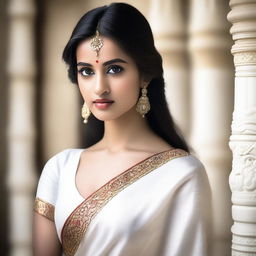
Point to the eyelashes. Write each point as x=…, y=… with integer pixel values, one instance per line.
x=115, y=69
x=85, y=71
x=112, y=70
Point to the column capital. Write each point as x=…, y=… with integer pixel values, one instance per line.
x=243, y=30
x=21, y=8
x=168, y=25
x=209, y=42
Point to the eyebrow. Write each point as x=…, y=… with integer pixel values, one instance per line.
x=104, y=64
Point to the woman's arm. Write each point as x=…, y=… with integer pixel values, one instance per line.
x=45, y=239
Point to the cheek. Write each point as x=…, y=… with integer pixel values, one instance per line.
x=82, y=89
x=129, y=89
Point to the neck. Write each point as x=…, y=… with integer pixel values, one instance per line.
x=125, y=132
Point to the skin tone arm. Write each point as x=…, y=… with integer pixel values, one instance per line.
x=45, y=239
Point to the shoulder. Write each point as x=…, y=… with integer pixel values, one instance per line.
x=49, y=179
x=188, y=172
x=190, y=162
x=192, y=171
x=185, y=164
x=58, y=162
x=61, y=158
x=187, y=159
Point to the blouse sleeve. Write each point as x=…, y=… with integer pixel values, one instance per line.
x=47, y=189
x=190, y=223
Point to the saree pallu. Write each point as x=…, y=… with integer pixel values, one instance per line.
x=159, y=207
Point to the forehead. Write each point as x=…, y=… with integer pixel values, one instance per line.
x=109, y=50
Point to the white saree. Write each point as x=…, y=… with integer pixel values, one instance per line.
x=159, y=207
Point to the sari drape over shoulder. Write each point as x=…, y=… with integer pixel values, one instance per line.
x=159, y=207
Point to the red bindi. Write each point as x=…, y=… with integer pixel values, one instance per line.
x=97, y=61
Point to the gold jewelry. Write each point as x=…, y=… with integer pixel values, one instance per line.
x=97, y=43
x=85, y=113
x=143, y=105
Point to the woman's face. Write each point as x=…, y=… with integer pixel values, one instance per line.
x=109, y=83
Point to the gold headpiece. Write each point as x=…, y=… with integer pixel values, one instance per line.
x=97, y=43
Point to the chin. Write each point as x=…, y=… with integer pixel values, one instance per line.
x=114, y=114
x=110, y=116
x=106, y=117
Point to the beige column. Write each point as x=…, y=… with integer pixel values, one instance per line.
x=169, y=28
x=21, y=125
x=212, y=105
x=243, y=139
x=60, y=115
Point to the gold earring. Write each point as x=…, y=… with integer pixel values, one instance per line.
x=85, y=113
x=143, y=105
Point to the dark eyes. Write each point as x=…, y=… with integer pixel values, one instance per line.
x=86, y=71
x=115, y=69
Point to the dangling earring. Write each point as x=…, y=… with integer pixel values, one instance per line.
x=143, y=105
x=85, y=113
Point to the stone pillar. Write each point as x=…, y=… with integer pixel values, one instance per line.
x=212, y=105
x=169, y=27
x=243, y=139
x=21, y=124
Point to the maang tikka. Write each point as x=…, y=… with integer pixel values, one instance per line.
x=143, y=105
x=97, y=43
x=85, y=113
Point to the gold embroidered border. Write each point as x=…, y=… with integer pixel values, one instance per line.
x=79, y=220
x=44, y=208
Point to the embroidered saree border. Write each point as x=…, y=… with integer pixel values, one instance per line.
x=44, y=208
x=77, y=223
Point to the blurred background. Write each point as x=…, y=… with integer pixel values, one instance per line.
x=40, y=108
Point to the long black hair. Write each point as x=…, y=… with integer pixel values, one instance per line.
x=131, y=31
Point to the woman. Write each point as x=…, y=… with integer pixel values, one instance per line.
x=134, y=189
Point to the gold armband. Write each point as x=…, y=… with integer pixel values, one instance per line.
x=44, y=208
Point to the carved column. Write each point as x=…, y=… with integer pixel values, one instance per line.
x=212, y=105
x=243, y=139
x=169, y=27
x=21, y=125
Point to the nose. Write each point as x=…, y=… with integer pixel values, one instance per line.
x=101, y=85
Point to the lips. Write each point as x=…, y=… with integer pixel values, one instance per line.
x=103, y=103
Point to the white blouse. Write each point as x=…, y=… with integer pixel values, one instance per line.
x=159, y=207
